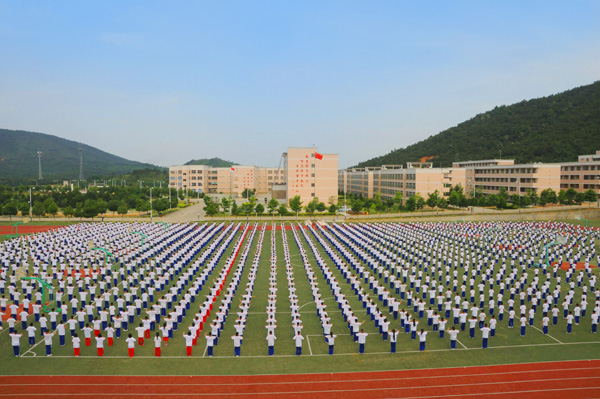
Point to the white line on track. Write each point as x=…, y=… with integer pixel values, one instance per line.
x=319, y=381
x=330, y=372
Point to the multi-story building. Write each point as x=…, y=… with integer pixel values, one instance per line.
x=387, y=180
x=302, y=175
x=487, y=176
x=310, y=177
x=233, y=181
x=582, y=175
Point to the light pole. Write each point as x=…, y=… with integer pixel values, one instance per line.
x=169, y=198
x=30, y=206
x=151, y=210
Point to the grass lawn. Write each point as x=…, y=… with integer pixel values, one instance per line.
x=506, y=347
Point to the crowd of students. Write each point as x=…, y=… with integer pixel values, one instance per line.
x=433, y=277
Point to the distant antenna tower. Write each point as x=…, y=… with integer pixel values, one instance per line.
x=80, y=163
x=39, y=153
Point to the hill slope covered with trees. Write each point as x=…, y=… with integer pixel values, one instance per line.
x=214, y=162
x=556, y=128
x=60, y=158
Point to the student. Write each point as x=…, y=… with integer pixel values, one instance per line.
x=130, y=345
x=570, y=319
x=330, y=341
x=87, y=335
x=472, y=323
x=453, y=333
x=164, y=330
x=485, y=331
x=189, y=341
x=237, y=344
x=393, y=338
x=210, y=341
x=298, y=339
x=48, y=342
x=523, y=321
x=76, y=344
x=31, y=334
x=157, y=342
x=16, y=342
x=422, y=338
x=362, y=339
x=545, y=322
x=493, y=323
x=110, y=331
x=140, y=333
x=100, y=344
x=271, y=343
x=60, y=328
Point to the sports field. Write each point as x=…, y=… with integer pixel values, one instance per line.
x=328, y=256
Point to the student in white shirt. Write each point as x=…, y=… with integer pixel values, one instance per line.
x=362, y=339
x=237, y=344
x=453, y=333
x=271, y=343
x=189, y=341
x=157, y=343
x=130, y=345
x=393, y=339
x=422, y=338
x=76, y=344
x=100, y=344
x=210, y=341
x=485, y=333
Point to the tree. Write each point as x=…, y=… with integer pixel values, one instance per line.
x=52, y=209
x=122, y=210
x=571, y=194
x=419, y=201
x=332, y=208
x=101, y=206
x=259, y=209
x=548, y=196
x=113, y=205
x=24, y=208
x=10, y=210
x=411, y=203
x=533, y=197
x=225, y=204
x=38, y=209
x=580, y=198
x=433, y=199
x=247, y=208
x=357, y=205
x=68, y=211
x=211, y=209
x=282, y=210
x=272, y=205
x=321, y=207
x=234, y=208
x=90, y=209
x=398, y=199
x=247, y=193
x=590, y=195
x=562, y=197
x=296, y=204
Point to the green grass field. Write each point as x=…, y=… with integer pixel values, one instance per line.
x=507, y=347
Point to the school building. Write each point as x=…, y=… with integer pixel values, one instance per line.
x=488, y=176
x=301, y=174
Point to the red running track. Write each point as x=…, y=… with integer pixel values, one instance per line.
x=26, y=229
x=572, y=379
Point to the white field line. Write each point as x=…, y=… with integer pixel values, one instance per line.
x=547, y=335
x=322, y=354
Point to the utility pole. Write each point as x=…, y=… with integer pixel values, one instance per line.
x=39, y=154
x=151, y=210
x=169, y=198
x=80, y=163
x=30, y=206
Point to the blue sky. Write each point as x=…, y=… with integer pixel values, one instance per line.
x=165, y=82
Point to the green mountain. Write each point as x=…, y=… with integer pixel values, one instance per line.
x=60, y=158
x=556, y=128
x=214, y=162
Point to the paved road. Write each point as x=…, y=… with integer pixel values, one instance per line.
x=190, y=214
